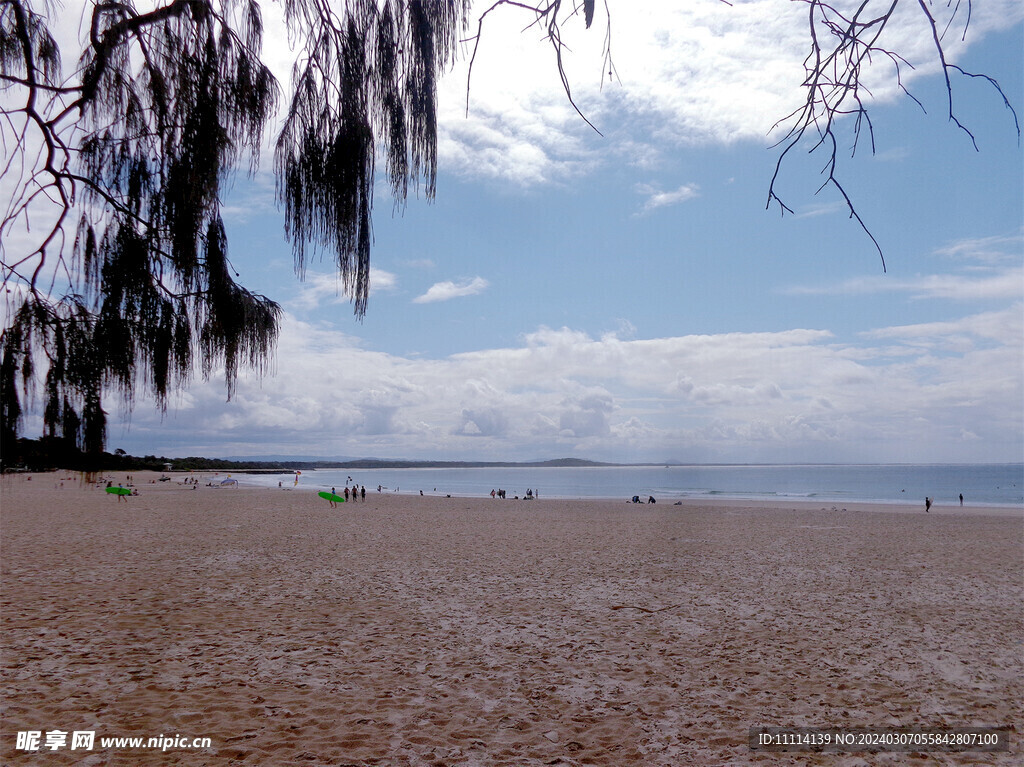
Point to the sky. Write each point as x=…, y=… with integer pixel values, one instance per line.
x=627, y=296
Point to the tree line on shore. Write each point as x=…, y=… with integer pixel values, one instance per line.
x=50, y=452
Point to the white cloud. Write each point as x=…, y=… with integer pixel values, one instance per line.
x=902, y=393
x=1004, y=284
x=822, y=209
x=320, y=288
x=659, y=199
x=978, y=284
x=1005, y=327
x=999, y=249
x=688, y=73
x=445, y=291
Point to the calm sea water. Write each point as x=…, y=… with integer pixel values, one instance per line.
x=981, y=484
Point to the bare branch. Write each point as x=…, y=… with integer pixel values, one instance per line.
x=834, y=88
x=548, y=12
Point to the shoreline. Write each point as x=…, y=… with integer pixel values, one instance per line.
x=717, y=501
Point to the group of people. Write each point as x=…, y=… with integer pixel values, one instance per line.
x=356, y=491
x=650, y=499
x=530, y=494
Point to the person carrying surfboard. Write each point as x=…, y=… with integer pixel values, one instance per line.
x=332, y=498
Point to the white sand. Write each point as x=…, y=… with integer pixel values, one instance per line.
x=437, y=631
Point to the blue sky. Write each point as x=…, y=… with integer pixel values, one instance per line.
x=629, y=298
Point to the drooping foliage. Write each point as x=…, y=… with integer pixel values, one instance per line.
x=366, y=85
x=130, y=284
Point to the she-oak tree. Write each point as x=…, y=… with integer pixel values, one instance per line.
x=112, y=249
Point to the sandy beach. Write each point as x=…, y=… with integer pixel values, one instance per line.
x=437, y=631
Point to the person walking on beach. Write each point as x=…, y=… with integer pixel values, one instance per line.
x=961, y=499
x=927, y=504
x=362, y=493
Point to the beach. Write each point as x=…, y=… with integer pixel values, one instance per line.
x=408, y=630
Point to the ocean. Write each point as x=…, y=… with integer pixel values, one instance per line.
x=981, y=484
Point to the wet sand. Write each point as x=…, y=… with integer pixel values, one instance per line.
x=413, y=630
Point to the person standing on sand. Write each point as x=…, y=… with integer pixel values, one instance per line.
x=961, y=499
x=927, y=504
x=362, y=493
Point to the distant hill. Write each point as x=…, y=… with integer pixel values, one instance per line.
x=286, y=463
x=291, y=463
x=286, y=459
x=381, y=463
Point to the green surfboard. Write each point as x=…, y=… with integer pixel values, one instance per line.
x=331, y=496
x=120, y=490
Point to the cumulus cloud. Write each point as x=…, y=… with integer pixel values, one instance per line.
x=686, y=73
x=486, y=422
x=445, y=291
x=799, y=394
